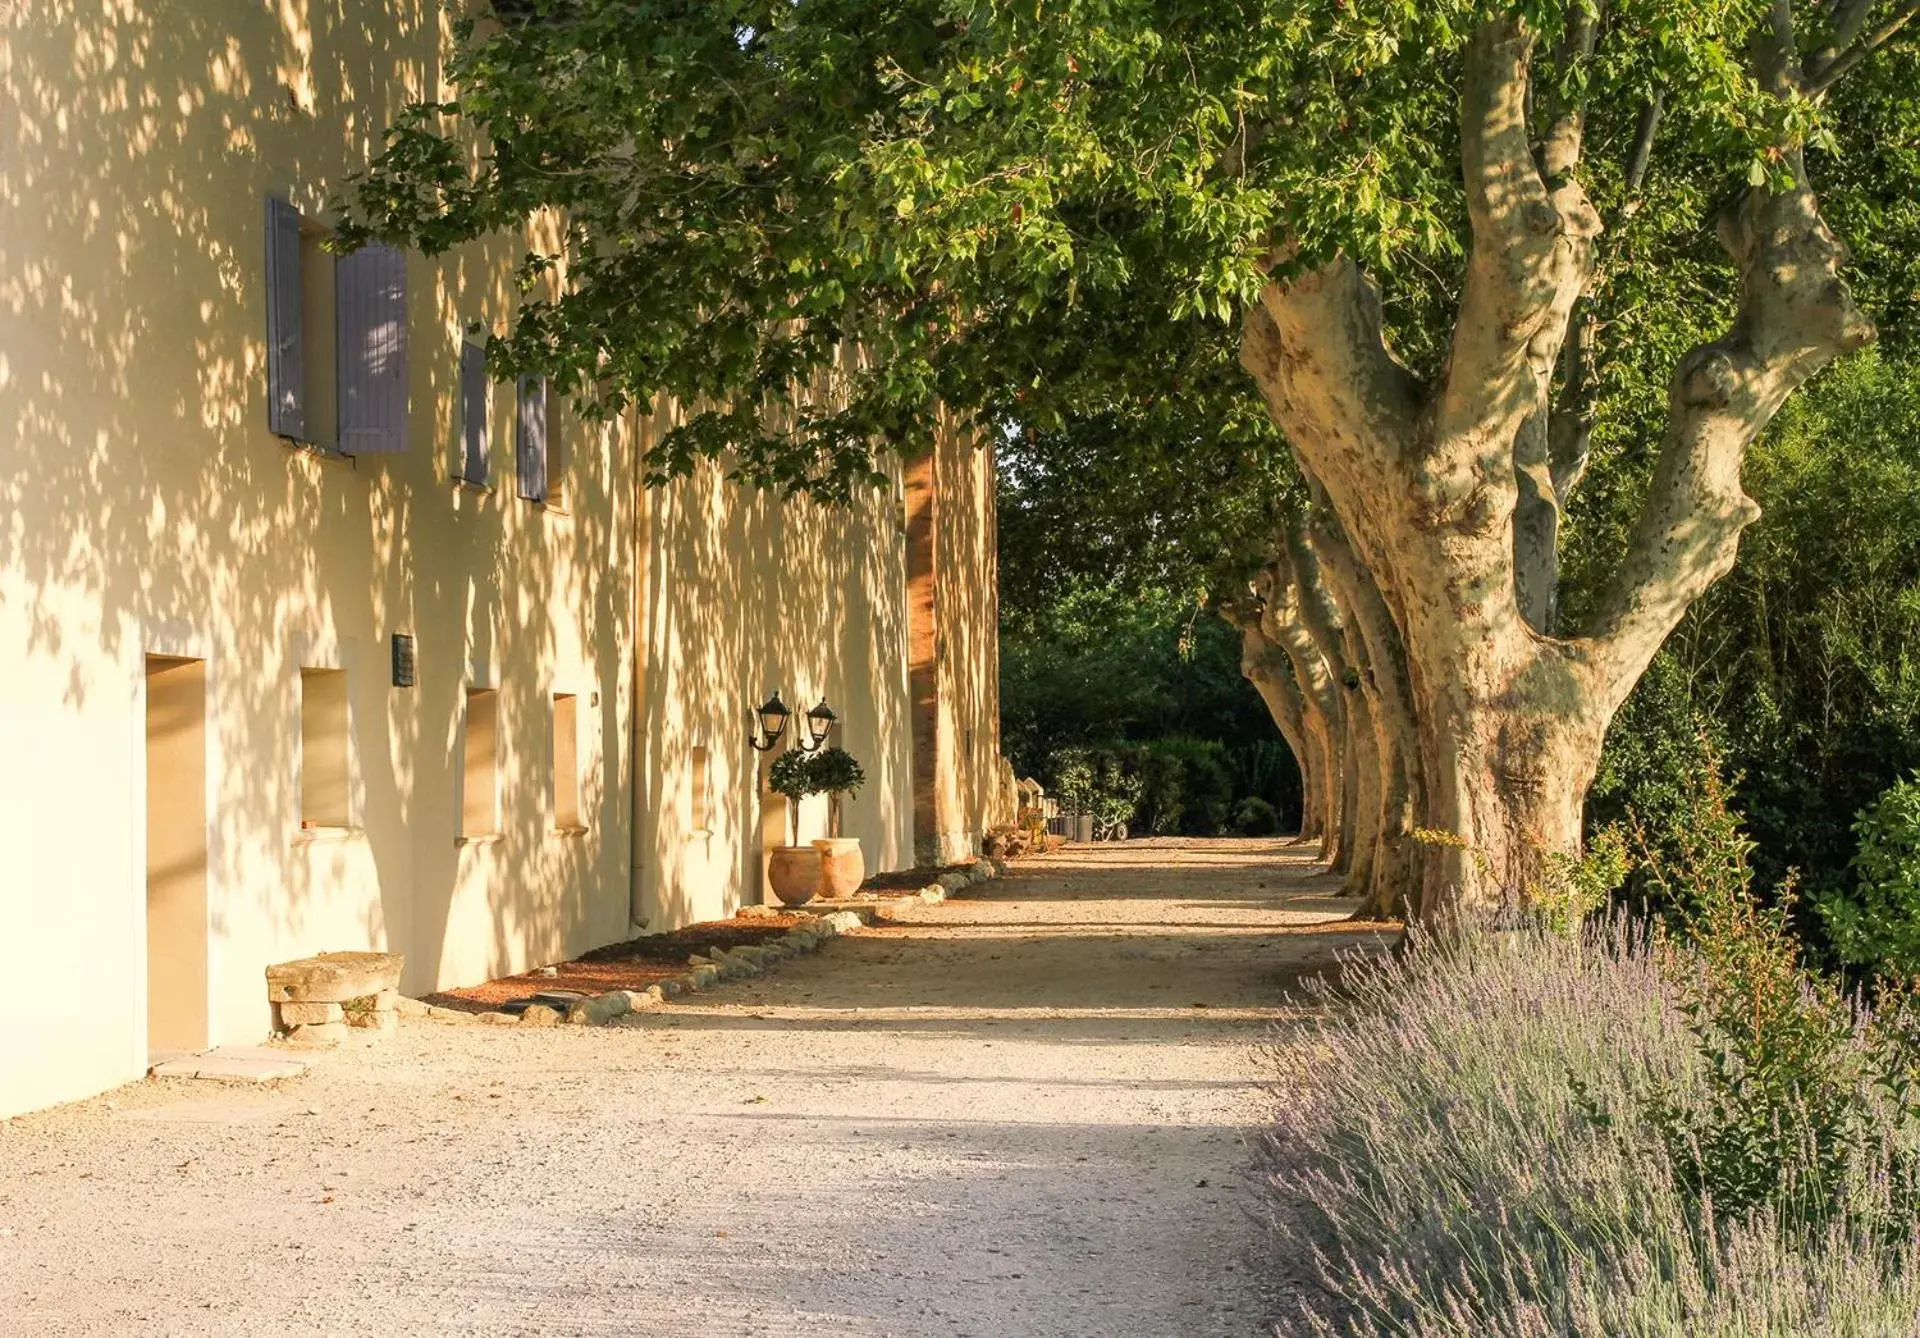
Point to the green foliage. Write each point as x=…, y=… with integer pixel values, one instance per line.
x=968, y=190
x=1879, y=923
x=1802, y=668
x=1186, y=786
x=1254, y=816
x=1572, y=887
x=835, y=771
x=1095, y=781
x=791, y=775
x=1798, y=1091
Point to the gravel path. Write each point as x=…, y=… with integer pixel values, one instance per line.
x=1019, y=1113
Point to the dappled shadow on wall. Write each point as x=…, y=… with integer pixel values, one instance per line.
x=143, y=492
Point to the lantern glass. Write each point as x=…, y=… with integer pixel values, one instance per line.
x=773, y=717
x=820, y=722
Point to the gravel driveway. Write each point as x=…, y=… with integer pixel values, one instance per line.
x=1019, y=1113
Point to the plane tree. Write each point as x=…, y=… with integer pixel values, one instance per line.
x=1442, y=234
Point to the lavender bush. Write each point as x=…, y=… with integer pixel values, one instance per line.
x=1466, y=1145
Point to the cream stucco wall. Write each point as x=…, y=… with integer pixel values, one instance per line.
x=749, y=595
x=966, y=573
x=147, y=511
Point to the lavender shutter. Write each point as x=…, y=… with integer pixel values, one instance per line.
x=473, y=413
x=531, y=439
x=371, y=318
x=286, y=360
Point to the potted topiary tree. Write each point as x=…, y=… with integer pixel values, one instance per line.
x=836, y=772
x=793, y=871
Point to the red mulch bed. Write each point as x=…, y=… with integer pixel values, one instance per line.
x=632, y=965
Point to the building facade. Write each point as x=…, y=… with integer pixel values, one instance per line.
x=312, y=638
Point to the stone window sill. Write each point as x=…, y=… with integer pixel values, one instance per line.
x=313, y=836
x=478, y=839
x=318, y=452
x=568, y=832
x=465, y=484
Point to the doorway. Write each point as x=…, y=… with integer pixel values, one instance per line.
x=176, y=854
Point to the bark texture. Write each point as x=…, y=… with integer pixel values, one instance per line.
x=1444, y=501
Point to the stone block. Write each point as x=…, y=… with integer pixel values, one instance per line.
x=955, y=882
x=307, y=1014
x=318, y=1035
x=982, y=870
x=539, y=1015
x=604, y=1008
x=378, y=1019
x=410, y=1007
x=842, y=922
x=497, y=1019
x=439, y=1014
x=934, y=895
x=671, y=988
x=334, y=977
x=703, y=977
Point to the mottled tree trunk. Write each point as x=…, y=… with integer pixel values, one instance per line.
x=1383, y=674
x=1442, y=490
x=1264, y=665
x=1283, y=620
x=1320, y=613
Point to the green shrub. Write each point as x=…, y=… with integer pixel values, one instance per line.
x=791, y=775
x=1461, y=1150
x=1096, y=781
x=1799, y=1087
x=835, y=771
x=1879, y=924
x=1186, y=786
x=1254, y=816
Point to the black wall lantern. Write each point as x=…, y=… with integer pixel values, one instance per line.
x=772, y=724
x=820, y=723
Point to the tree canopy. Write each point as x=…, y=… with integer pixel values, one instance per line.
x=1464, y=250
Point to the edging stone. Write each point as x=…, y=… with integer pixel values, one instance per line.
x=704, y=972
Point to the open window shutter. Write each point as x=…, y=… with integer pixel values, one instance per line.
x=286, y=361
x=473, y=413
x=371, y=289
x=531, y=443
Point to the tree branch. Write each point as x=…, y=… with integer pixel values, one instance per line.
x=1834, y=70
x=1795, y=316
x=1264, y=664
x=1315, y=348
x=1560, y=147
x=1532, y=252
x=1643, y=135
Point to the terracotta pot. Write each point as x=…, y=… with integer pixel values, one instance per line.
x=793, y=872
x=842, y=867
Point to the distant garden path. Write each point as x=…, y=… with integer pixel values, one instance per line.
x=1018, y=1113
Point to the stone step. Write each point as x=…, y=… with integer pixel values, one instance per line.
x=231, y=1063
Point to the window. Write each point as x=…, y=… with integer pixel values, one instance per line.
x=480, y=771
x=323, y=749
x=566, y=762
x=336, y=339
x=539, y=450
x=475, y=392
x=702, y=808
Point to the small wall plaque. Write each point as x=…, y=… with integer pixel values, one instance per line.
x=403, y=662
